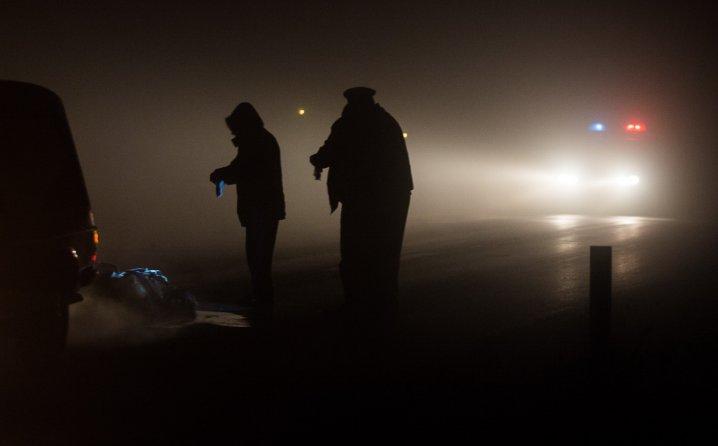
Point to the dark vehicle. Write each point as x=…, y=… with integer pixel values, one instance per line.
x=48, y=239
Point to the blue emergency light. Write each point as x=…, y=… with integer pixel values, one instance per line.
x=597, y=127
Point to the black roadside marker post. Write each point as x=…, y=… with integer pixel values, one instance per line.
x=600, y=307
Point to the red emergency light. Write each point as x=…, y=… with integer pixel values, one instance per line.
x=635, y=127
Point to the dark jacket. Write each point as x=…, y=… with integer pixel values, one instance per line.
x=257, y=172
x=366, y=156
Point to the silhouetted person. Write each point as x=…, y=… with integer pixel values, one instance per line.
x=257, y=172
x=369, y=174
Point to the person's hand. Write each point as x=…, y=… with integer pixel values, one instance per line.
x=215, y=176
x=317, y=173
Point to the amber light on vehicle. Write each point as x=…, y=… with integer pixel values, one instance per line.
x=96, y=237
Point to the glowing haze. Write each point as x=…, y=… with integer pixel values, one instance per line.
x=496, y=100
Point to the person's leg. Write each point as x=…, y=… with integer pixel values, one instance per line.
x=250, y=244
x=350, y=243
x=267, y=236
x=398, y=226
x=388, y=241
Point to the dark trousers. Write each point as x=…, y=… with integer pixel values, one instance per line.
x=261, y=236
x=372, y=234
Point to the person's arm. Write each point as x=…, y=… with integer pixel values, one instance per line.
x=229, y=174
x=323, y=158
x=326, y=154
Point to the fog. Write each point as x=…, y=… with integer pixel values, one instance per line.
x=495, y=99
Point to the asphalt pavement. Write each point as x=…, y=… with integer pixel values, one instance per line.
x=492, y=330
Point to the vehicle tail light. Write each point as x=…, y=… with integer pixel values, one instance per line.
x=635, y=127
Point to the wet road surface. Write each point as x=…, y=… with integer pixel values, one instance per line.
x=492, y=328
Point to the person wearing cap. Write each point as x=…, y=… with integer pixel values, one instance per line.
x=257, y=173
x=370, y=175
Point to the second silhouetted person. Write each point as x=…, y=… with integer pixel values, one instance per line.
x=370, y=175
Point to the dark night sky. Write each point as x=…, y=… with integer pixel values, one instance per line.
x=146, y=88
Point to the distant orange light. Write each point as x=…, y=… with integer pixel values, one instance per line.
x=95, y=237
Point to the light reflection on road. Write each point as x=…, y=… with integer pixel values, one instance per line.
x=223, y=319
x=576, y=233
x=565, y=221
x=626, y=220
x=567, y=243
x=625, y=262
x=627, y=257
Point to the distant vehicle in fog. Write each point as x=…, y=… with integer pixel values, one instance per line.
x=48, y=238
x=612, y=159
x=603, y=167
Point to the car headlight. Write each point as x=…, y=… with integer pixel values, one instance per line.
x=628, y=180
x=566, y=179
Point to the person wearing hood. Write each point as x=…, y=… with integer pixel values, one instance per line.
x=370, y=175
x=257, y=173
